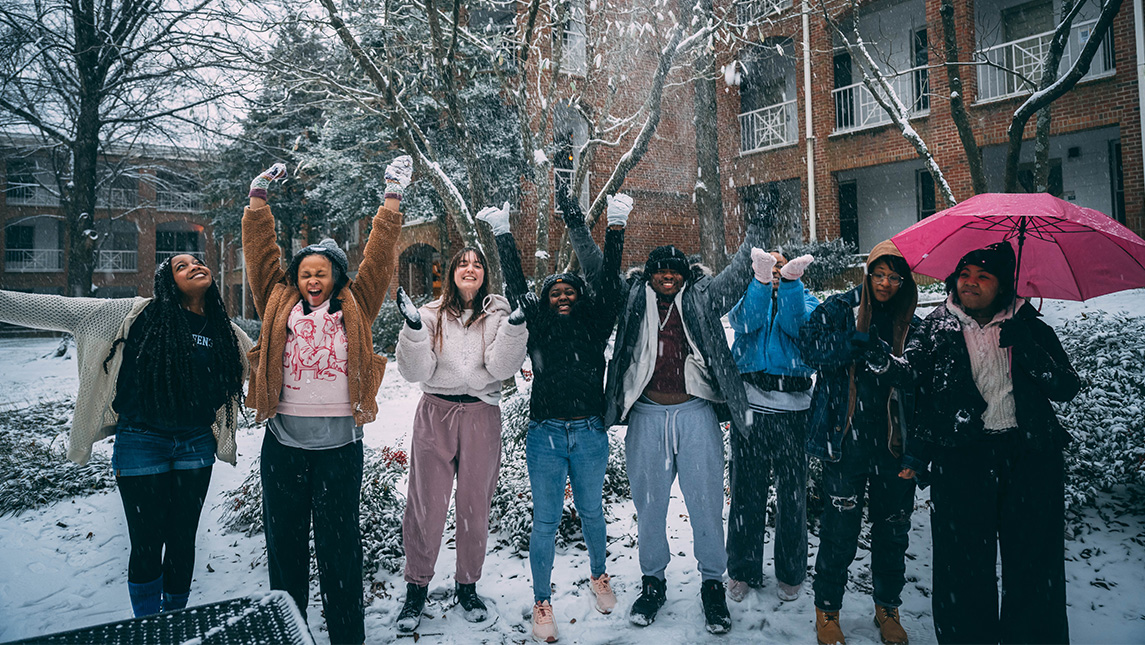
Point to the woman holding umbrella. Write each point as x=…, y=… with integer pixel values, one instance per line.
x=987, y=369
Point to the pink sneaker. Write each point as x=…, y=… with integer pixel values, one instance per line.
x=737, y=590
x=544, y=625
x=602, y=589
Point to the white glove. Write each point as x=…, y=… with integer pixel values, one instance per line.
x=398, y=175
x=496, y=218
x=619, y=206
x=793, y=270
x=761, y=264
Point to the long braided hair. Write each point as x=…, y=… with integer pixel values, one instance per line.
x=164, y=375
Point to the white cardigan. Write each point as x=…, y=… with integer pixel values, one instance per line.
x=471, y=360
x=96, y=323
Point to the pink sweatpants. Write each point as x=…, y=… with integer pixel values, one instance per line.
x=450, y=439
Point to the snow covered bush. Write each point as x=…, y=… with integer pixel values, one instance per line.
x=33, y=459
x=251, y=326
x=832, y=258
x=1107, y=418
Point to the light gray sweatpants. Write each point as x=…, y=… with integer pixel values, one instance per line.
x=664, y=441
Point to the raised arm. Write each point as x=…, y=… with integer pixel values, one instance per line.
x=261, y=254
x=514, y=275
x=57, y=313
x=795, y=302
x=728, y=287
x=587, y=252
x=753, y=310
x=380, y=257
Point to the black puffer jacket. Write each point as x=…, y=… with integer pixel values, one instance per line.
x=949, y=406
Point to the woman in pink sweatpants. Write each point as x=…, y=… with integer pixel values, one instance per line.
x=459, y=347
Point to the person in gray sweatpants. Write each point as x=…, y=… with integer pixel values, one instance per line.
x=672, y=379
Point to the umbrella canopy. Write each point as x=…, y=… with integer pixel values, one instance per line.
x=1064, y=251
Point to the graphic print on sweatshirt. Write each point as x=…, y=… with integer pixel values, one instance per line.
x=316, y=344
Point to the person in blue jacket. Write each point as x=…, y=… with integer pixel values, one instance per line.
x=766, y=322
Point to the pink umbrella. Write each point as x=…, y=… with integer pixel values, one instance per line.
x=1064, y=251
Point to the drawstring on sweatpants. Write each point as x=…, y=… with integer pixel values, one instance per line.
x=451, y=414
x=671, y=434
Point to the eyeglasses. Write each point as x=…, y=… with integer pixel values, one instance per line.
x=892, y=278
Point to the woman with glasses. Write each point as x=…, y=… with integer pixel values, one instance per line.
x=855, y=340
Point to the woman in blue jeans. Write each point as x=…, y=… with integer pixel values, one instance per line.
x=164, y=375
x=567, y=441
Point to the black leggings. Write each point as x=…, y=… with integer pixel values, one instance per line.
x=163, y=511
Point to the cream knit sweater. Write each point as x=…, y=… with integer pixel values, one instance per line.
x=96, y=323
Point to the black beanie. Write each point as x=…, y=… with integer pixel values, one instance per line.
x=996, y=259
x=666, y=257
x=570, y=279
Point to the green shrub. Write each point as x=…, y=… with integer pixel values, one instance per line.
x=832, y=259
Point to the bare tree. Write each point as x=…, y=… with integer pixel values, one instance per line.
x=87, y=76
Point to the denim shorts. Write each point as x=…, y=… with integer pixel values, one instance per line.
x=144, y=451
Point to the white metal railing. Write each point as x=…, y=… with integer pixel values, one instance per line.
x=33, y=260
x=182, y=202
x=748, y=11
x=161, y=255
x=856, y=108
x=30, y=195
x=768, y=127
x=563, y=177
x=116, y=261
x=1010, y=63
x=117, y=198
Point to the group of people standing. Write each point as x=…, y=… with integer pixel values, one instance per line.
x=960, y=400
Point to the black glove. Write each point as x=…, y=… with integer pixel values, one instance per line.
x=408, y=310
x=517, y=316
x=1013, y=332
x=870, y=349
x=570, y=208
x=530, y=304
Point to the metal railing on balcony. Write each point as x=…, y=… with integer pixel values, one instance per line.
x=162, y=254
x=117, y=198
x=116, y=261
x=748, y=11
x=33, y=260
x=30, y=195
x=1015, y=67
x=769, y=127
x=179, y=202
x=856, y=108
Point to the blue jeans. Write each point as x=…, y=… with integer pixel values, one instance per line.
x=139, y=450
x=558, y=451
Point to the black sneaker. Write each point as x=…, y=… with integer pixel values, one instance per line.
x=472, y=608
x=410, y=616
x=651, y=599
x=715, y=606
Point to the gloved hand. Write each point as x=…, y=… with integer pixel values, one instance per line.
x=793, y=270
x=1013, y=332
x=408, y=310
x=517, y=316
x=762, y=263
x=398, y=175
x=259, y=184
x=496, y=218
x=530, y=303
x=619, y=206
x=570, y=208
x=870, y=349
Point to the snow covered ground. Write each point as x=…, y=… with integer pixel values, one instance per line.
x=64, y=566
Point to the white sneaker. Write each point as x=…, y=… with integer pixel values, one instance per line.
x=737, y=590
x=787, y=592
x=544, y=625
x=602, y=589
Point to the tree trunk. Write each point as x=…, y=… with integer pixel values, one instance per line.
x=709, y=200
x=958, y=111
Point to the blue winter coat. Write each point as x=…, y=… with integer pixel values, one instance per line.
x=767, y=330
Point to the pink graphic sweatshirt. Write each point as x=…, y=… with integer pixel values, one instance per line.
x=314, y=381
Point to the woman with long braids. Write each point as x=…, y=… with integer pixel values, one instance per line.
x=165, y=376
x=459, y=347
x=314, y=379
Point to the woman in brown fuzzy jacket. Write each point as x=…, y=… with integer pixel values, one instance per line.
x=314, y=379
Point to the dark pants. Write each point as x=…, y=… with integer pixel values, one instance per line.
x=162, y=518
x=992, y=496
x=773, y=450
x=326, y=484
x=875, y=472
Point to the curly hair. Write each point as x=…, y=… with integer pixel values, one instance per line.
x=451, y=302
x=165, y=377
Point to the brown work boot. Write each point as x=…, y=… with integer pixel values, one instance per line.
x=827, y=629
x=890, y=628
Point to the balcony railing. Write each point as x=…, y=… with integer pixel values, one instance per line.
x=856, y=108
x=180, y=202
x=748, y=11
x=116, y=261
x=33, y=260
x=161, y=255
x=769, y=127
x=117, y=198
x=1016, y=60
x=30, y=195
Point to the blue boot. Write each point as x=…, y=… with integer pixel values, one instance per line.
x=174, y=601
x=145, y=596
